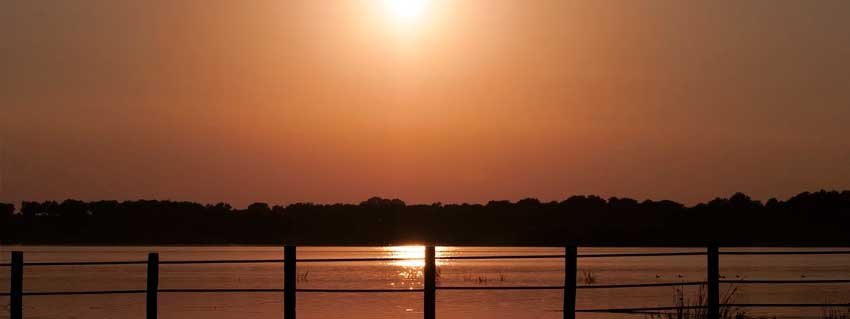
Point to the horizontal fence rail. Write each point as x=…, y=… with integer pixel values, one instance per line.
x=803, y=252
x=570, y=286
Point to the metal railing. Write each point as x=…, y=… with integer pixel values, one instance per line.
x=430, y=287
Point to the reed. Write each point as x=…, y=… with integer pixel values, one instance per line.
x=697, y=308
x=303, y=277
x=587, y=277
x=484, y=278
x=835, y=312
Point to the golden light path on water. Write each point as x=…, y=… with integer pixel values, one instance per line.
x=411, y=269
x=416, y=255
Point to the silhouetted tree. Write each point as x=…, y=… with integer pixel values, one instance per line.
x=528, y=202
x=259, y=209
x=219, y=209
x=816, y=217
x=499, y=204
x=377, y=202
x=31, y=209
x=7, y=210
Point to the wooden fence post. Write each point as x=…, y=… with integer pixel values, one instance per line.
x=153, y=285
x=570, y=274
x=713, y=272
x=16, y=291
x=289, y=278
x=430, y=277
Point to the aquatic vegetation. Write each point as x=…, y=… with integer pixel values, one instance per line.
x=303, y=277
x=588, y=277
x=835, y=312
x=484, y=278
x=697, y=308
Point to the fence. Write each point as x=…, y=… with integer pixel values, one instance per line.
x=290, y=262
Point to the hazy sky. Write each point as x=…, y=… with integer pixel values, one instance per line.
x=337, y=101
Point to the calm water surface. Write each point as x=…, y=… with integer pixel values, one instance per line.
x=403, y=275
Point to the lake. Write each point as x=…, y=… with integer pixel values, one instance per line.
x=406, y=275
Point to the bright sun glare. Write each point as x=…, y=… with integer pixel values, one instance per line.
x=414, y=252
x=414, y=255
x=405, y=11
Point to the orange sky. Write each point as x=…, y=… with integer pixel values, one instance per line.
x=334, y=101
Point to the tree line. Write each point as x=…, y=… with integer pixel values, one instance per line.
x=810, y=218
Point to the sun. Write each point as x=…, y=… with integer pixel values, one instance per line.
x=405, y=11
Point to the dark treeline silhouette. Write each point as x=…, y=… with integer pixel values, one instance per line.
x=820, y=218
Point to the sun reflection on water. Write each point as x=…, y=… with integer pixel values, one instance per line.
x=410, y=268
x=416, y=255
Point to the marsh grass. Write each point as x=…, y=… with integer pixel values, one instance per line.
x=303, y=277
x=697, y=308
x=587, y=277
x=835, y=312
x=484, y=278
